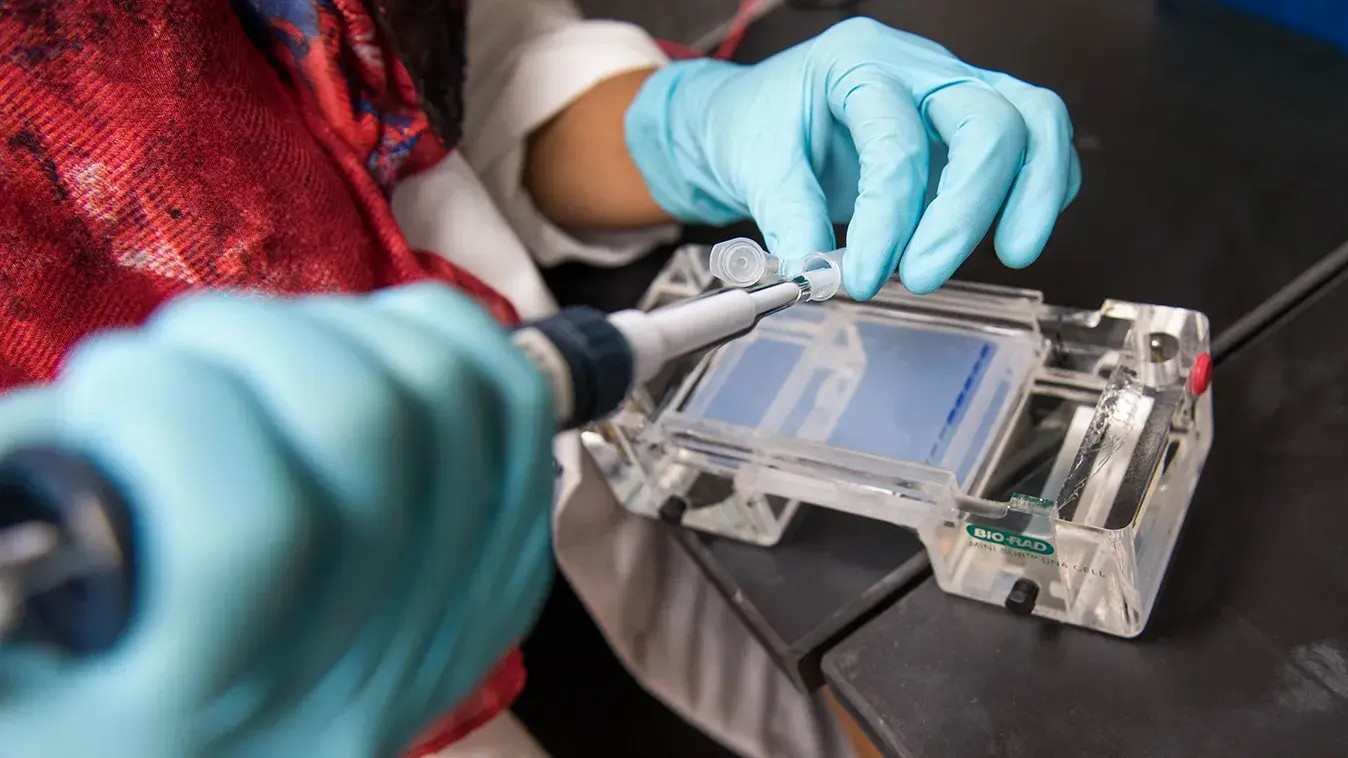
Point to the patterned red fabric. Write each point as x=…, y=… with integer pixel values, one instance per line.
x=338, y=63
x=149, y=148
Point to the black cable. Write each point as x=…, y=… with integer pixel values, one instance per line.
x=1281, y=303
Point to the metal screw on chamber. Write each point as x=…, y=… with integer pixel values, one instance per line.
x=1161, y=363
x=1162, y=347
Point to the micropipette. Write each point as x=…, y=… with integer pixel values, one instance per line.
x=67, y=554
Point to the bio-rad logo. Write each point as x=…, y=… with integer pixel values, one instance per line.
x=1009, y=539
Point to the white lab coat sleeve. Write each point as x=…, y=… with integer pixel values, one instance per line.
x=527, y=61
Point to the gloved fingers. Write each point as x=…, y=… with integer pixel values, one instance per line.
x=531, y=577
x=35, y=687
x=350, y=428
x=528, y=425
x=31, y=415
x=450, y=395
x=460, y=407
x=525, y=491
x=891, y=142
x=435, y=534
x=791, y=210
x=518, y=581
x=1044, y=185
x=986, y=136
x=224, y=563
x=1073, y=179
x=525, y=495
x=860, y=41
x=348, y=422
x=841, y=175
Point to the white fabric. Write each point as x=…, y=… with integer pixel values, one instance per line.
x=502, y=737
x=528, y=59
x=446, y=210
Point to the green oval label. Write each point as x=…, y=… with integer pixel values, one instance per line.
x=1013, y=540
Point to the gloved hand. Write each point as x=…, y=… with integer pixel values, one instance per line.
x=342, y=509
x=838, y=128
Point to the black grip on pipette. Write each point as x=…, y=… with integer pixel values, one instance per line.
x=598, y=360
x=89, y=611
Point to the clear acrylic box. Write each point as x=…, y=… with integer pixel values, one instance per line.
x=1045, y=456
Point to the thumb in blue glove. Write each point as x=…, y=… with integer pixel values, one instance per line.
x=342, y=523
x=840, y=129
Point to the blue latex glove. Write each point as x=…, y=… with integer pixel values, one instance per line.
x=840, y=128
x=343, y=521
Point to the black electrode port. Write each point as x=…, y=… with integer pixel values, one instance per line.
x=672, y=510
x=1020, y=600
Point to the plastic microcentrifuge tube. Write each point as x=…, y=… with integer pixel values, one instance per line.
x=824, y=272
x=741, y=262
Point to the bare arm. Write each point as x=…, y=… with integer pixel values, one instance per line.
x=578, y=170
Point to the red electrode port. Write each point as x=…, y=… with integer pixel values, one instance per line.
x=1200, y=376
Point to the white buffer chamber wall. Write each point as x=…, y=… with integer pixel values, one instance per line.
x=1045, y=456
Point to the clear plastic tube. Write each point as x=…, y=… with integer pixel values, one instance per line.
x=741, y=262
x=824, y=270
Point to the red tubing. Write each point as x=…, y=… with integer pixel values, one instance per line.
x=726, y=50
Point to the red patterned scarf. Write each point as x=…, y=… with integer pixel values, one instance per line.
x=149, y=148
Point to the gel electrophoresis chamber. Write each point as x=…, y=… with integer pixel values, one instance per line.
x=1045, y=456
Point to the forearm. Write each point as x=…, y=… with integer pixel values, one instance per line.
x=578, y=170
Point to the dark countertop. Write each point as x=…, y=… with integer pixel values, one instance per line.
x=1247, y=652
x=1215, y=171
